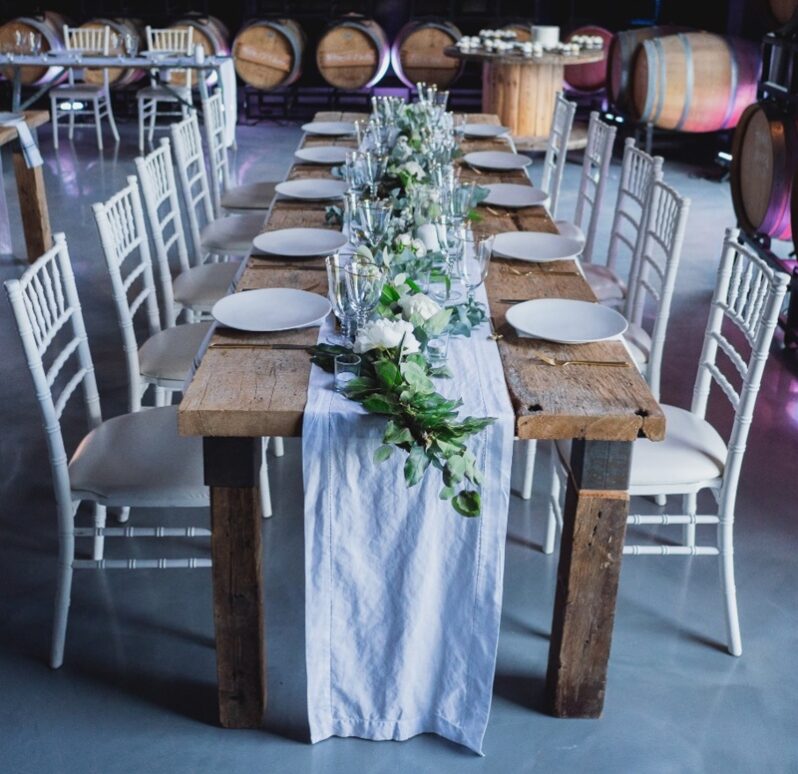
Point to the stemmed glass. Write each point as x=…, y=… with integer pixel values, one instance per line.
x=131, y=45
x=354, y=172
x=339, y=298
x=474, y=260
x=371, y=221
x=461, y=200
x=374, y=170
x=364, y=281
x=35, y=43
x=450, y=233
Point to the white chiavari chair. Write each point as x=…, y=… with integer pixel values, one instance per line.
x=165, y=358
x=211, y=234
x=557, y=150
x=694, y=457
x=592, y=184
x=64, y=99
x=639, y=171
x=253, y=196
x=195, y=288
x=170, y=40
x=133, y=460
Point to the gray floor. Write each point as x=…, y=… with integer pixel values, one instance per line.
x=137, y=691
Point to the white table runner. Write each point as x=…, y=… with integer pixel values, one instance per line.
x=403, y=597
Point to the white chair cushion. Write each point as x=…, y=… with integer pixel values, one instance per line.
x=140, y=459
x=639, y=343
x=77, y=91
x=604, y=282
x=232, y=235
x=255, y=196
x=162, y=94
x=570, y=230
x=201, y=287
x=168, y=356
x=692, y=452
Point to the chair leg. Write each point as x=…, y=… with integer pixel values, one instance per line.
x=279, y=447
x=99, y=540
x=689, y=505
x=71, y=122
x=661, y=500
x=265, y=491
x=111, y=119
x=63, y=592
x=554, y=511
x=159, y=396
x=153, y=116
x=726, y=557
x=54, y=113
x=142, y=109
x=530, y=452
x=122, y=514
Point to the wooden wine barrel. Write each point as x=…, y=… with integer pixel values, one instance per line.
x=764, y=164
x=694, y=81
x=589, y=77
x=417, y=53
x=50, y=25
x=783, y=10
x=353, y=53
x=118, y=77
x=211, y=34
x=621, y=57
x=522, y=30
x=268, y=53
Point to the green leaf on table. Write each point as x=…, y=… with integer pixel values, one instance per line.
x=467, y=503
x=416, y=465
x=388, y=373
x=416, y=377
x=455, y=469
x=379, y=404
x=438, y=322
x=382, y=453
x=447, y=493
x=396, y=434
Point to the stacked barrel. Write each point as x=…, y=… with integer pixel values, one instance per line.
x=765, y=147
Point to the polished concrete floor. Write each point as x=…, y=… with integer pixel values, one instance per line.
x=137, y=691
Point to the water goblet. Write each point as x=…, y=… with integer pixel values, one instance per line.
x=337, y=293
x=354, y=172
x=374, y=166
x=462, y=200
x=364, y=281
x=474, y=260
x=131, y=45
x=371, y=221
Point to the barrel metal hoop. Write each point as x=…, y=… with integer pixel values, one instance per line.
x=735, y=76
x=661, y=80
x=689, y=79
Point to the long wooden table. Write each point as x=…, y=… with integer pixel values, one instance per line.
x=238, y=396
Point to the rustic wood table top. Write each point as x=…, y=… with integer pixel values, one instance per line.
x=263, y=392
x=33, y=118
x=515, y=57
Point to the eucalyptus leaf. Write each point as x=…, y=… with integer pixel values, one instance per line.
x=467, y=503
x=382, y=453
x=416, y=465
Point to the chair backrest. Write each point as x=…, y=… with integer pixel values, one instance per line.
x=123, y=235
x=748, y=296
x=49, y=320
x=557, y=150
x=193, y=176
x=173, y=40
x=159, y=190
x=593, y=181
x=88, y=40
x=639, y=171
x=660, y=253
x=213, y=114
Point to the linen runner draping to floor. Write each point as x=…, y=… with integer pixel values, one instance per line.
x=403, y=595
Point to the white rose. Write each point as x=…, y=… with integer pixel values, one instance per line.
x=404, y=239
x=419, y=304
x=415, y=170
x=400, y=279
x=387, y=334
x=418, y=247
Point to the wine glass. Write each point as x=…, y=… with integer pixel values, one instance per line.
x=374, y=166
x=354, y=172
x=131, y=45
x=474, y=260
x=364, y=281
x=450, y=233
x=461, y=200
x=35, y=43
x=339, y=298
x=371, y=221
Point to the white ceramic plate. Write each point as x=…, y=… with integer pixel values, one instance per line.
x=300, y=242
x=271, y=309
x=323, y=154
x=515, y=195
x=535, y=246
x=484, y=130
x=501, y=160
x=566, y=321
x=329, y=128
x=312, y=189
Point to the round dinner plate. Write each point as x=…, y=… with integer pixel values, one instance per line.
x=514, y=195
x=312, y=189
x=300, y=242
x=329, y=128
x=499, y=160
x=535, y=246
x=485, y=130
x=323, y=154
x=565, y=321
x=271, y=309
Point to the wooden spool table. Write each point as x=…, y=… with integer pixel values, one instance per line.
x=238, y=396
x=31, y=193
x=521, y=90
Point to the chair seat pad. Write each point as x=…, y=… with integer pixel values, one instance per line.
x=639, y=343
x=254, y=196
x=201, y=287
x=140, y=459
x=162, y=94
x=570, y=230
x=604, y=282
x=692, y=452
x=169, y=355
x=232, y=235
x=77, y=91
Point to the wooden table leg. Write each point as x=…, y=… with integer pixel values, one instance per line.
x=231, y=471
x=596, y=508
x=33, y=207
